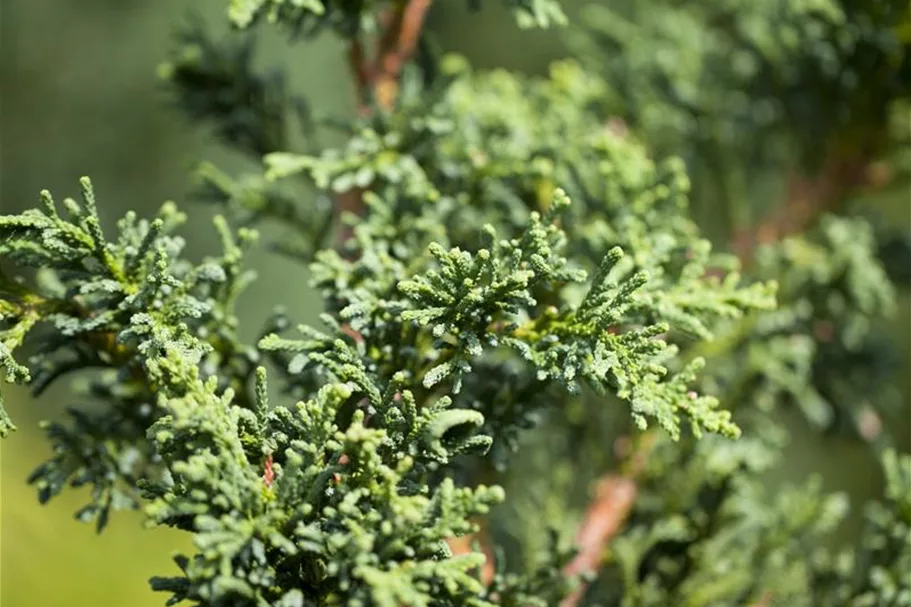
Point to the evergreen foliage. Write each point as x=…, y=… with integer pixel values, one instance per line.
x=505, y=262
x=734, y=87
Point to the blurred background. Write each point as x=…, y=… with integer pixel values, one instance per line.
x=79, y=96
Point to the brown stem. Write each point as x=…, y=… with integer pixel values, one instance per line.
x=401, y=30
x=360, y=69
x=401, y=27
x=809, y=197
x=396, y=47
x=463, y=545
x=764, y=601
x=615, y=496
x=351, y=201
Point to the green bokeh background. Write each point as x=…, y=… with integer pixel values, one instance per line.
x=79, y=96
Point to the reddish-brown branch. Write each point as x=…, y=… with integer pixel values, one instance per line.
x=764, y=601
x=810, y=197
x=463, y=545
x=352, y=202
x=268, y=472
x=615, y=496
x=614, y=499
x=360, y=70
x=396, y=47
x=401, y=30
x=379, y=76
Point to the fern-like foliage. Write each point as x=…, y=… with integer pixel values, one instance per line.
x=111, y=305
x=515, y=298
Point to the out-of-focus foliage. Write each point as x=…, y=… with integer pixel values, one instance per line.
x=738, y=77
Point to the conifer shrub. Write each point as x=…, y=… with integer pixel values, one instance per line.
x=535, y=381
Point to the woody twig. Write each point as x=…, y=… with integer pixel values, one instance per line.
x=377, y=78
x=809, y=197
x=615, y=496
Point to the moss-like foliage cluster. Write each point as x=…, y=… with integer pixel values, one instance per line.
x=518, y=289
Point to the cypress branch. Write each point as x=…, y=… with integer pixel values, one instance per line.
x=518, y=263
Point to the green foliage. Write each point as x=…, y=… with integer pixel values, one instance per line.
x=113, y=305
x=480, y=331
x=747, y=92
x=877, y=573
x=821, y=349
x=708, y=72
x=887, y=549
x=707, y=500
x=367, y=528
x=215, y=81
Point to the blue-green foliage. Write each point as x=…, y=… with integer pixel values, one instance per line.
x=112, y=305
x=519, y=284
x=214, y=79
x=202, y=467
x=367, y=528
x=821, y=349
